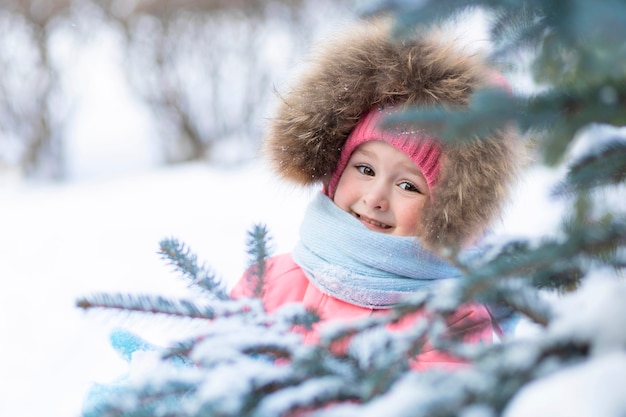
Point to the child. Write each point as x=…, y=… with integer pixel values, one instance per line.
x=390, y=197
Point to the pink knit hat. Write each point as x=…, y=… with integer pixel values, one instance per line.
x=419, y=146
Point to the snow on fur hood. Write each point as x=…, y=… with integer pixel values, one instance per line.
x=364, y=67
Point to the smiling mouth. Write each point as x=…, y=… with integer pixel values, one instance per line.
x=372, y=222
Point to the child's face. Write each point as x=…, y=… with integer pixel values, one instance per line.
x=384, y=189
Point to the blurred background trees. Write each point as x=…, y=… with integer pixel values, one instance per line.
x=203, y=71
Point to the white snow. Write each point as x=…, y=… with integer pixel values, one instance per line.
x=595, y=138
x=593, y=388
x=60, y=242
x=581, y=316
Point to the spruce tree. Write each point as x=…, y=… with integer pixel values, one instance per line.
x=246, y=362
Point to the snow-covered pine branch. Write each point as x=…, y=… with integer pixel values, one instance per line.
x=186, y=262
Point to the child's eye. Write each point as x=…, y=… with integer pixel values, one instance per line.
x=365, y=170
x=405, y=185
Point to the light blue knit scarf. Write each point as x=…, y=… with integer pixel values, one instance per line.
x=345, y=259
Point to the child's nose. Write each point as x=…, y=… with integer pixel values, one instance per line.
x=377, y=197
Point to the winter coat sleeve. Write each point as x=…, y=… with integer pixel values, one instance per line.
x=470, y=324
x=283, y=282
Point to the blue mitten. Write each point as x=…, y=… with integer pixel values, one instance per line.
x=125, y=344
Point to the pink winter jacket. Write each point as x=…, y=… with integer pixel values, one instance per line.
x=286, y=282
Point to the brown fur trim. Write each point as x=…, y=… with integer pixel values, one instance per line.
x=474, y=184
x=365, y=67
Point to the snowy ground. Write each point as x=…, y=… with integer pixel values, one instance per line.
x=63, y=241
x=60, y=242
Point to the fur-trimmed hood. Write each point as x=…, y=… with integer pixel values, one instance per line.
x=364, y=67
